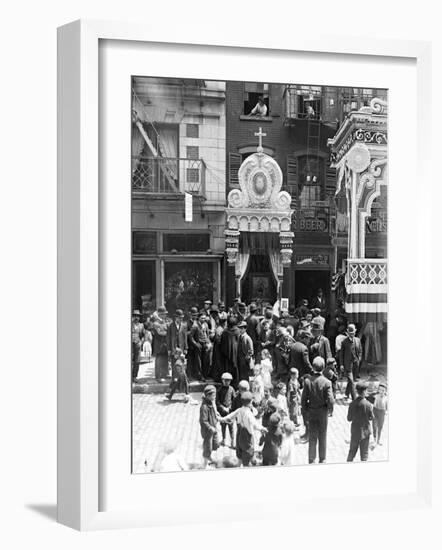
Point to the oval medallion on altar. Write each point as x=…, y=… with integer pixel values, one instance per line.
x=260, y=183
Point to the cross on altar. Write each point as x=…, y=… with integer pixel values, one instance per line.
x=260, y=135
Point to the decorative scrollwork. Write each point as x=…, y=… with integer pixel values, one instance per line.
x=236, y=198
x=378, y=106
x=281, y=200
x=370, y=136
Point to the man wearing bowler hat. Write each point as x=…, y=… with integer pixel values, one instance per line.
x=319, y=344
x=177, y=333
x=350, y=356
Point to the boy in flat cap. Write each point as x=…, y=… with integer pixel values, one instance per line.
x=224, y=402
x=209, y=420
x=360, y=414
x=246, y=425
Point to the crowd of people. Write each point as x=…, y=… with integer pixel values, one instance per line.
x=268, y=373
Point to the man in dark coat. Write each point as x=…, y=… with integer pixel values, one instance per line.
x=228, y=348
x=350, y=356
x=319, y=302
x=360, y=414
x=319, y=344
x=199, y=338
x=299, y=356
x=245, y=352
x=191, y=352
x=177, y=334
x=317, y=400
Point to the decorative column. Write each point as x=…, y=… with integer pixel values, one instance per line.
x=359, y=153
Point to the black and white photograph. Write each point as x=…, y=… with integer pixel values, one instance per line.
x=259, y=274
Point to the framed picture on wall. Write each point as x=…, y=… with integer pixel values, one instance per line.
x=152, y=310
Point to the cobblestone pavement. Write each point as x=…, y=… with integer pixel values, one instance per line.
x=157, y=420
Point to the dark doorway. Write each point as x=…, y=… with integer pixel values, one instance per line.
x=307, y=283
x=258, y=284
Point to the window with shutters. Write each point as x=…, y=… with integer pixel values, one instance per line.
x=235, y=160
x=292, y=175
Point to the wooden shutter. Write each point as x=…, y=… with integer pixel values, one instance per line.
x=235, y=160
x=330, y=180
x=292, y=175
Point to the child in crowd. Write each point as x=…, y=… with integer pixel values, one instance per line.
x=266, y=367
x=287, y=452
x=281, y=397
x=272, y=441
x=360, y=414
x=224, y=403
x=294, y=396
x=243, y=386
x=257, y=385
x=209, y=420
x=380, y=407
x=146, y=350
x=179, y=382
x=271, y=407
x=246, y=425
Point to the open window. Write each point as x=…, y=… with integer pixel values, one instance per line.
x=253, y=92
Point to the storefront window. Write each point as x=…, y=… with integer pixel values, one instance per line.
x=188, y=284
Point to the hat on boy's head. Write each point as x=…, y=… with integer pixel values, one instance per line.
x=209, y=302
x=351, y=329
x=136, y=312
x=246, y=398
x=243, y=385
x=193, y=310
x=214, y=308
x=242, y=324
x=331, y=361
x=253, y=307
x=361, y=386
x=209, y=390
x=162, y=309
x=179, y=363
x=382, y=385
x=294, y=370
x=241, y=305
x=179, y=313
x=226, y=376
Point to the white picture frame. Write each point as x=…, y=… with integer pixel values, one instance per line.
x=79, y=288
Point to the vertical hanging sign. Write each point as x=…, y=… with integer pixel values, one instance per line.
x=188, y=207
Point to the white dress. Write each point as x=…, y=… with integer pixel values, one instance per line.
x=287, y=451
x=266, y=371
